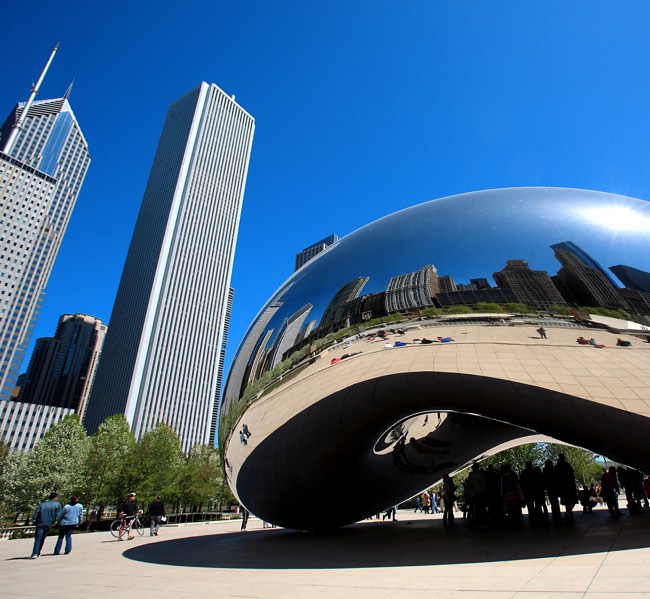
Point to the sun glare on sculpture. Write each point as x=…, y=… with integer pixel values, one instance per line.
x=620, y=218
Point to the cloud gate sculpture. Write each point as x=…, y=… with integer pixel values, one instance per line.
x=415, y=345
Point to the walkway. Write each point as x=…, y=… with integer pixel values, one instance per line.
x=414, y=557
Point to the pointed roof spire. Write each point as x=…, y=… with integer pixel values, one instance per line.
x=69, y=90
x=11, y=138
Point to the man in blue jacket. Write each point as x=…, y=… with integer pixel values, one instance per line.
x=45, y=516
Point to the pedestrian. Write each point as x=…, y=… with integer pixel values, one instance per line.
x=610, y=490
x=244, y=429
x=565, y=482
x=69, y=519
x=156, y=515
x=426, y=501
x=550, y=484
x=129, y=510
x=542, y=333
x=244, y=518
x=390, y=513
x=434, y=502
x=242, y=437
x=449, y=494
x=46, y=514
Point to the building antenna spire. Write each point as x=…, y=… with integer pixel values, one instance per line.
x=69, y=90
x=32, y=96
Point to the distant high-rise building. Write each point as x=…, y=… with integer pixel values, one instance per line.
x=531, y=287
x=466, y=287
x=632, y=278
x=288, y=334
x=412, y=290
x=22, y=425
x=582, y=280
x=309, y=252
x=162, y=353
x=43, y=161
x=471, y=297
x=480, y=283
x=342, y=305
x=62, y=368
x=446, y=284
x=310, y=326
x=373, y=306
x=241, y=362
x=638, y=302
x=222, y=360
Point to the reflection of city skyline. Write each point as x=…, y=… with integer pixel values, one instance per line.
x=579, y=280
x=493, y=247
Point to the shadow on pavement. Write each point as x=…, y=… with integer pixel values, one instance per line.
x=402, y=543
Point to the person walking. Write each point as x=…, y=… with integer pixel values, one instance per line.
x=69, y=519
x=46, y=514
x=542, y=333
x=245, y=514
x=156, y=514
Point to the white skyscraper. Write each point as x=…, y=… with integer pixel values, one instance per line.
x=43, y=161
x=161, y=356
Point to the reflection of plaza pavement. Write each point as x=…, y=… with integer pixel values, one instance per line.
x=594, y=398
x=412, y=558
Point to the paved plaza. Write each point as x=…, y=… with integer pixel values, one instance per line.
x=414, y=557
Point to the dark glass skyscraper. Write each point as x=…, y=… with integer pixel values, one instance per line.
x=582, y=280
x=632, y=278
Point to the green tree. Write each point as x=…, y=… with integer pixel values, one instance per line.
x=111, y=464
x=202, y=478
x=160, y=465
x=458, y=310
x=55, y=464
x=489, y=307
x=4, y=456
x=564, y=310
x=517, y=456
x=517, y=308
x=18, y=488
x=585, y=465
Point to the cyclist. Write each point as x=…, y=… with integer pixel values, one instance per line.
x=128, y=512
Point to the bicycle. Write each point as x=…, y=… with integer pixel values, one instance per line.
x=125, y=524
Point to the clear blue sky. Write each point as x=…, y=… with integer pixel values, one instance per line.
x=362, y=108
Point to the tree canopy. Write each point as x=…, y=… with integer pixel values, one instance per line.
x=102, y=469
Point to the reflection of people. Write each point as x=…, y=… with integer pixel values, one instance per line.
x=244, y=428
x=582, y=341
x=622, y=343
x=45, y=516
x=542, y=333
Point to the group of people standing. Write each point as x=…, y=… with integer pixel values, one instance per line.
x=427, y=502
x=497, y=496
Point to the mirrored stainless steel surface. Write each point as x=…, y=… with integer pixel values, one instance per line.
x=416, y=314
